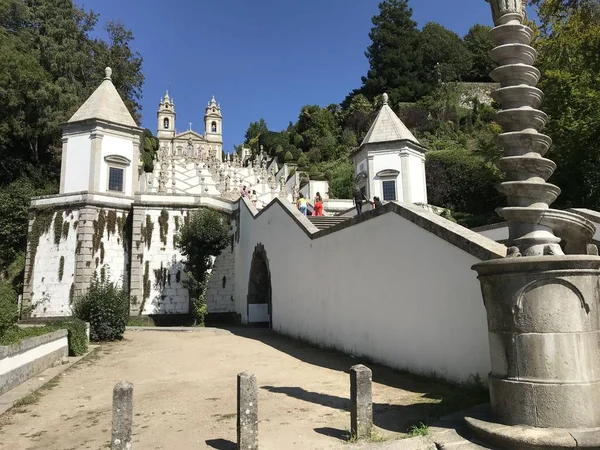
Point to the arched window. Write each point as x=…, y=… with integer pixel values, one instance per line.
x=166, y=123
x=190, y=150
x=213, y=127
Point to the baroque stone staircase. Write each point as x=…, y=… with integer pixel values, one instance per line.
x=324, y=222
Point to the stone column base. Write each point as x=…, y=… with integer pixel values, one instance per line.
x=519, y=437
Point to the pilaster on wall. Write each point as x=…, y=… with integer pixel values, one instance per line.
x=84, y=255
x=28, y=285
x=95, y=160
x=136, y=286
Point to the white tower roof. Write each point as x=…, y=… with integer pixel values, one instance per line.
x=388, y=127
x=105, y=104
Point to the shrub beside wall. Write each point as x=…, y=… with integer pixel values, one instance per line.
x=78, y=344
x=106, y=307
x=9, y=313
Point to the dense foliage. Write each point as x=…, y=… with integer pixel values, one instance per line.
x=9, y=313
x=569, y=42
x=105, y=306
x=51, y=62
x=201, y=239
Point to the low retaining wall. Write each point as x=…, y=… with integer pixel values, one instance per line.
x=31, y=356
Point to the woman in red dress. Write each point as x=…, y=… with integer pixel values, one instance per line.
x=318, y=205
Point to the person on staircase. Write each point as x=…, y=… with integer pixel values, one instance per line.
x=318, y=205
x=358, y=198
x=302, y=205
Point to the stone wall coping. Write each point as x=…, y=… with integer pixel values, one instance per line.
x=492, y=226
x=470, y=241
x=187, y=202
x=80, y=199
x=32, y=342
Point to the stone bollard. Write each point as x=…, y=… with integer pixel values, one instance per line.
x=247, y=411
x=361, y=409
x=122, y=416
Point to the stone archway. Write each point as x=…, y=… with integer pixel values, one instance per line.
x=260, y=309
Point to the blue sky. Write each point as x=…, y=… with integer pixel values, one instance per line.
x=259, y=58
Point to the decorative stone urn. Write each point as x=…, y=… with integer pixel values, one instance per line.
x=542, y=300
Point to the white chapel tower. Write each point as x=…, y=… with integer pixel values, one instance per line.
x=390, y=162
x=101, y=144
x=166, y=118
x=213, y=128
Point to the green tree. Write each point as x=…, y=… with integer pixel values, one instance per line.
x=461, y=181
x=395, y=60
x=14, y=213
x=50, y=66
x=201, y=239
x=568, y=46
x=342, y=180
x=358, y=115
x=479, y=43
x=253, y=133
x=445, y=56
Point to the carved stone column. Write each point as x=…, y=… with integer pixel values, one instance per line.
x=542, y=305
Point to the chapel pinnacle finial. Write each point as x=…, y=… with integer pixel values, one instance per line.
x=107, y=73
x=385, y=98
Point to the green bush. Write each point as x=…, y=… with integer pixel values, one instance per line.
x=9, y=313
x=78, y=344
x=302, y=162
x=106, y=307
x=288, y=157
x=200, y=309
x=462, y=181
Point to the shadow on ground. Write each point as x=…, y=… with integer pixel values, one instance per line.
x=221, y=444
x=447, y=397
x=333, y=432
x=395, y=418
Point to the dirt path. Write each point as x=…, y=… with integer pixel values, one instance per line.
x=185, y=395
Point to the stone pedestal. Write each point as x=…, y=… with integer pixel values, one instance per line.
x=544, y=330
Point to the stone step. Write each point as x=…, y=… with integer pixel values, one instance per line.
x=324, y=222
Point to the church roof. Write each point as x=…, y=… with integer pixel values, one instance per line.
x=388, y=127
x=105, y=104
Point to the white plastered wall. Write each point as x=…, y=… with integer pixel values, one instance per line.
x=50, y=293
x=496, y=234
x=170, y=297
x=77, y=163
x=384, y=288
x=221, y=285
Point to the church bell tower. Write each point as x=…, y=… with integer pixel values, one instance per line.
x=166, y=118
x=213, y=126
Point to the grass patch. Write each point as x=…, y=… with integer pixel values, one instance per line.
x=15, y=335
x=140, y=322
x=418, y=430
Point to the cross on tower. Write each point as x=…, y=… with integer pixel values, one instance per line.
x=190, y=126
